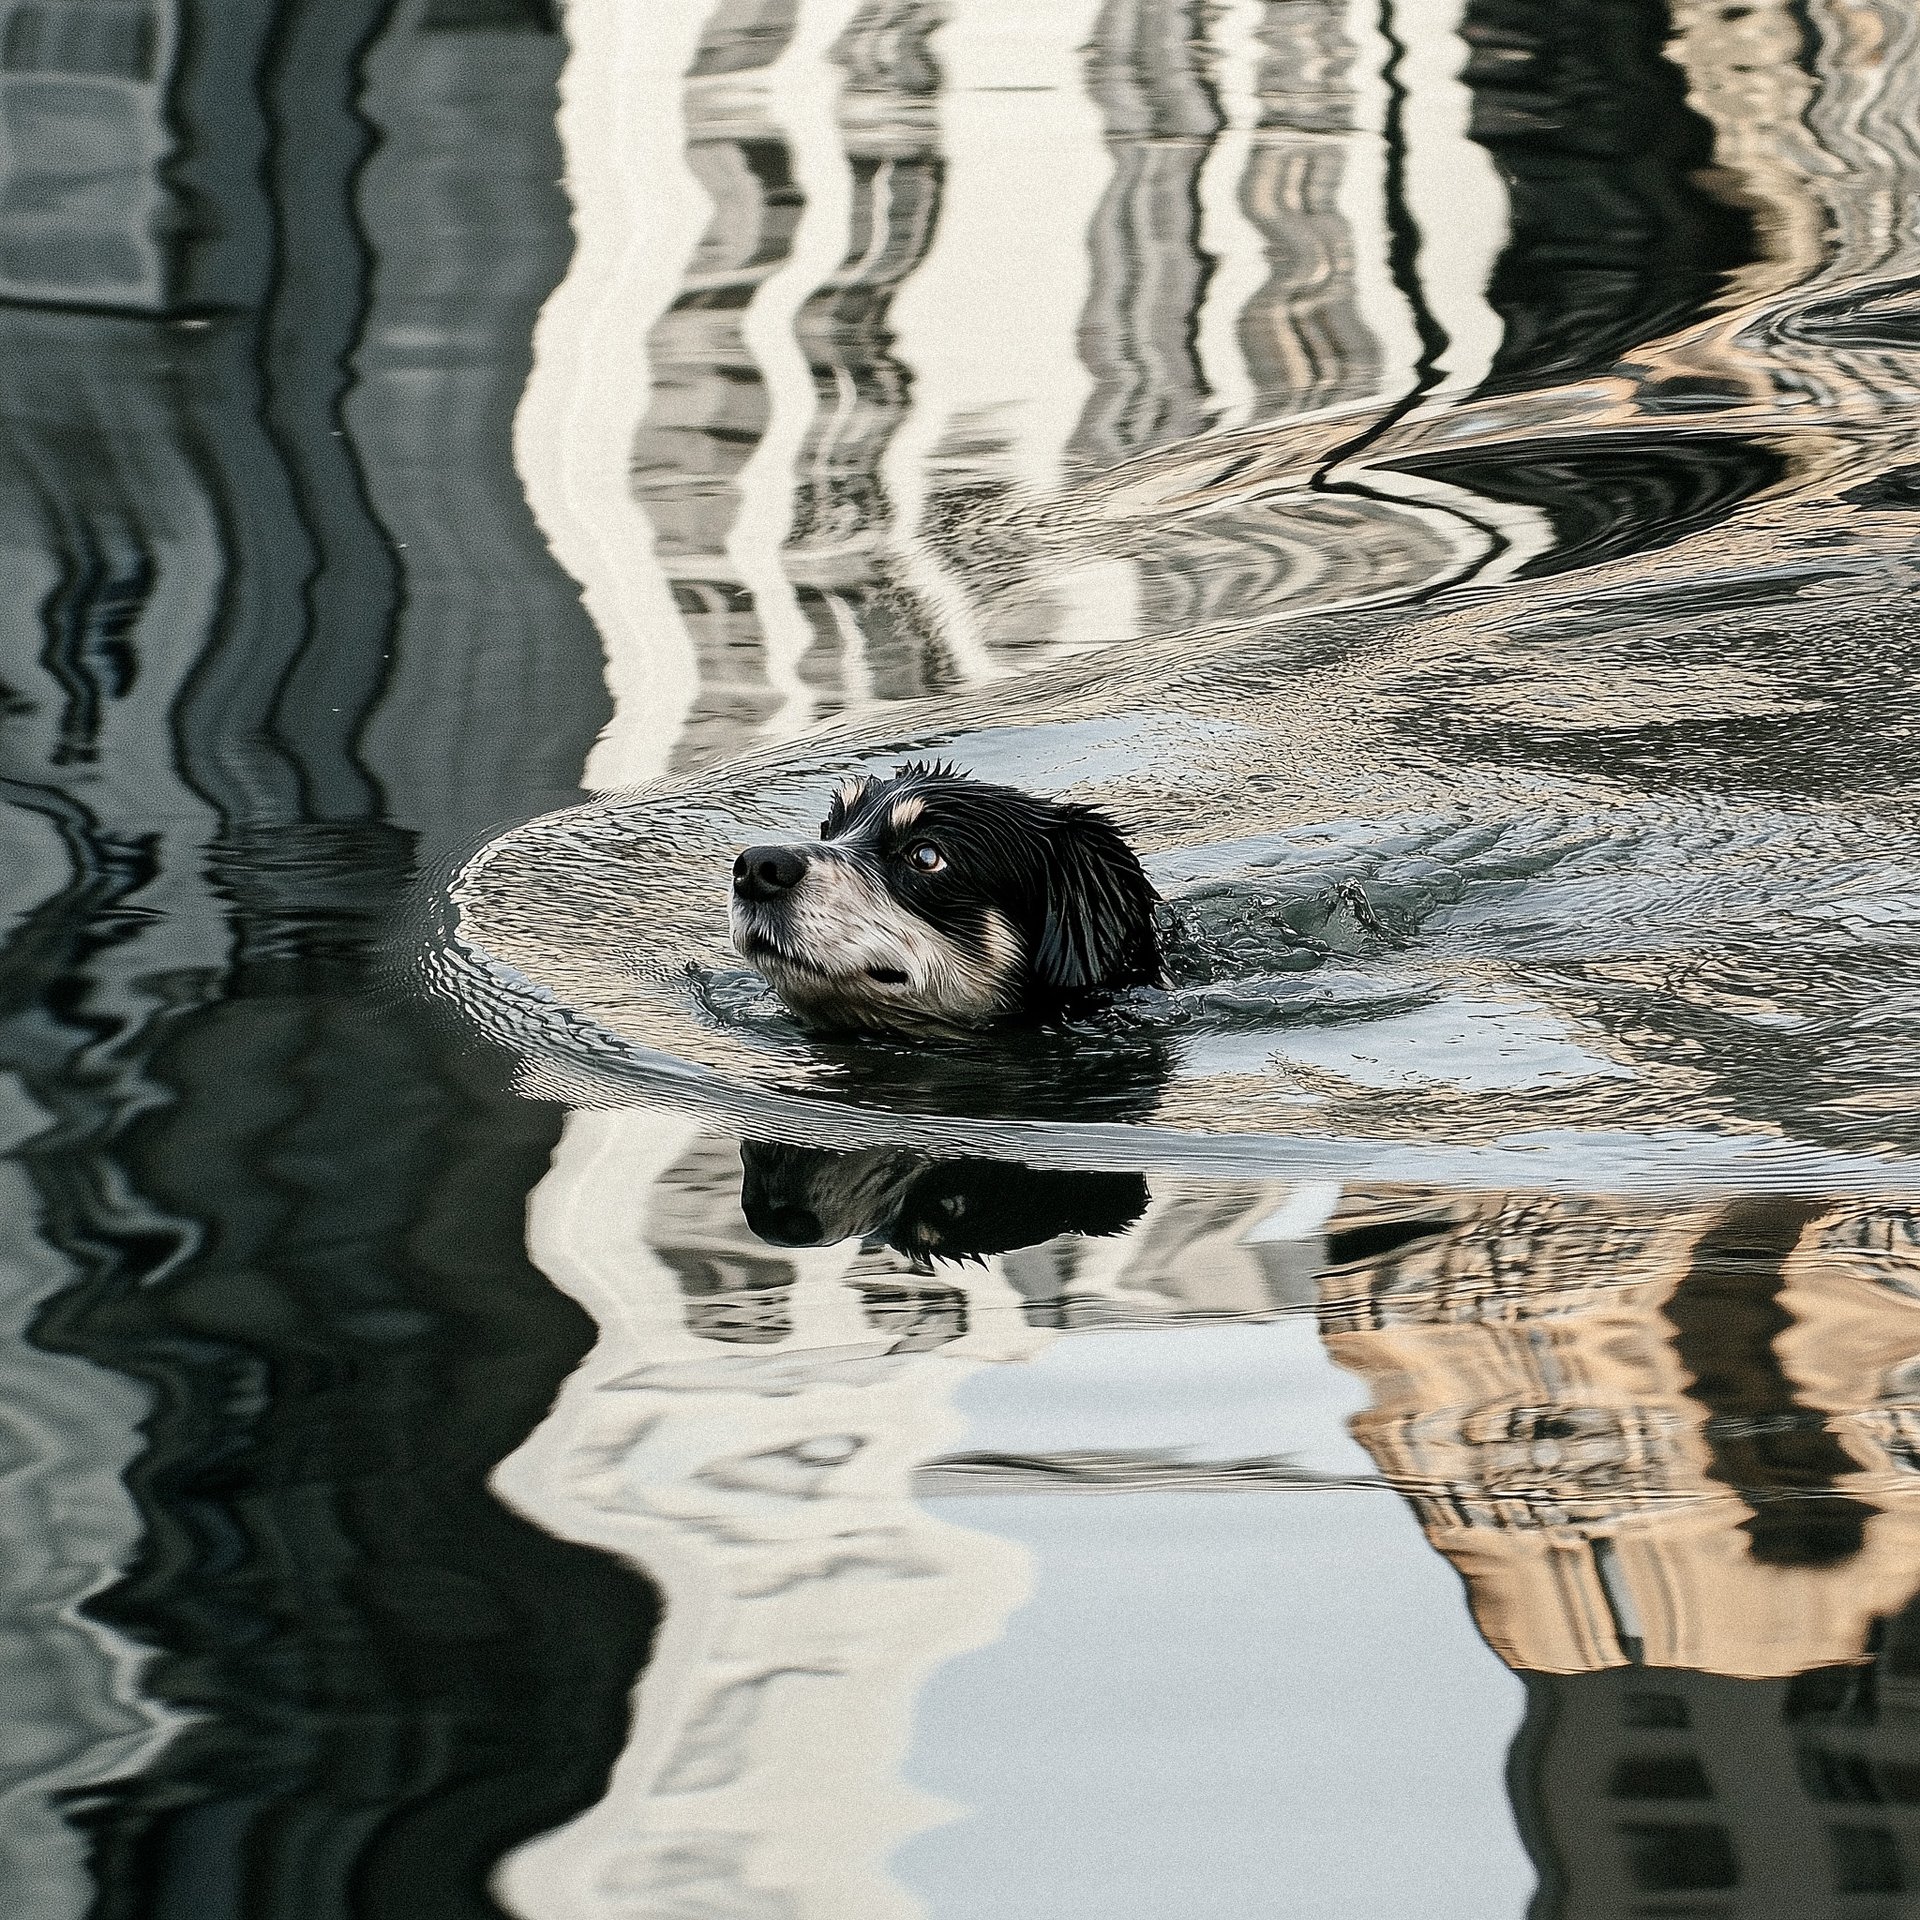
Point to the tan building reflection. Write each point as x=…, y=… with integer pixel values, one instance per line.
x=1663, y=1438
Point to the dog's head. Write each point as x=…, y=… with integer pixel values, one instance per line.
x=933, y=901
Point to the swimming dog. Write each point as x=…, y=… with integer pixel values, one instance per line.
x=933, y=903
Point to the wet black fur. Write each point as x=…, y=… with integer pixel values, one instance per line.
x=1057, y=870
x=928, y=1210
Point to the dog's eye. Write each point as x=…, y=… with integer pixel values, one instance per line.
x=927, y=857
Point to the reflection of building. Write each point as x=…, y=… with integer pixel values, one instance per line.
x=1077, y=1250
x=266, y=1249
x=84, y=99
x=1599, y=1418
x=466, y=154
x=1305, y=334
x=747, y=1430
x=1145, y=69
x=737, y=1288
x=1669, y=1448
x=1750, y=75
x=709, y=403
x=1640, y=1791
x=867, y=639
x=1234, y=229
x=1671, y=1452
x=1617, y=236
x=750, y=1430
x=77, y=1714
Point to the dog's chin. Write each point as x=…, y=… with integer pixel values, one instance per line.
x=770, y=951
x=873, y=1000
x=845, y=998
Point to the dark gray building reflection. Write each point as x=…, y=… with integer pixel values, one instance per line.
x=282, y=633
x=1643, y=1791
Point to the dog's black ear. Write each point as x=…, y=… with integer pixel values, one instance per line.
x=1096, y=930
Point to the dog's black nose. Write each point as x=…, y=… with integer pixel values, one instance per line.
x=763, y=872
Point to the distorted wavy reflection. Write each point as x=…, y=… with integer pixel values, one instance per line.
x=1415, y=1415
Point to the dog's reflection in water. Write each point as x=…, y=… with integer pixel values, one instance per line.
x=923, y=1208
x=927, y=1211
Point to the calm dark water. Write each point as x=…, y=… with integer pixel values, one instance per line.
x=1417, y=1417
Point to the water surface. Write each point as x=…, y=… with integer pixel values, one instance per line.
x=1418, y=1415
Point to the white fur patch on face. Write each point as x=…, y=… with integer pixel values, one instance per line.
x=838, y=928
x=903, y=813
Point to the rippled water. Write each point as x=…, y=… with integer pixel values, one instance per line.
x=1416, y=1416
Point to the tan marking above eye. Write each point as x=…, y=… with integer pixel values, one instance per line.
x=849, y=791
x=905, y=812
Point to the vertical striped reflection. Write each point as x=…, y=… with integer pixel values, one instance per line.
x=967, y=258
x=867, y=639
x=1305, y=333
x=1333, y=226
x=1618, y=234
x=708, y=408
x=1147, y=70
x=262, y=1259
